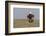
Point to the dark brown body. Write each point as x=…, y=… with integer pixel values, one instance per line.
x=30, y=17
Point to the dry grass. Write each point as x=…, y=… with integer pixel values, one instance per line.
x=19, y=23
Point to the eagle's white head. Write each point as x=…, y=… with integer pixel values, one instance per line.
x=30, y=12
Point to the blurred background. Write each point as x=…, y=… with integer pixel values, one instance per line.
x=21, y=20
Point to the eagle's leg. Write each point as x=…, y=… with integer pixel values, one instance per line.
x=31, y=20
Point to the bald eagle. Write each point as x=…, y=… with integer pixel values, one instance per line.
x=30, y=17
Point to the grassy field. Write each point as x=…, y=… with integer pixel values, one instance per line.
x=21, y=23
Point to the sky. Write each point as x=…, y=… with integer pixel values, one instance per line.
x=21, y=13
